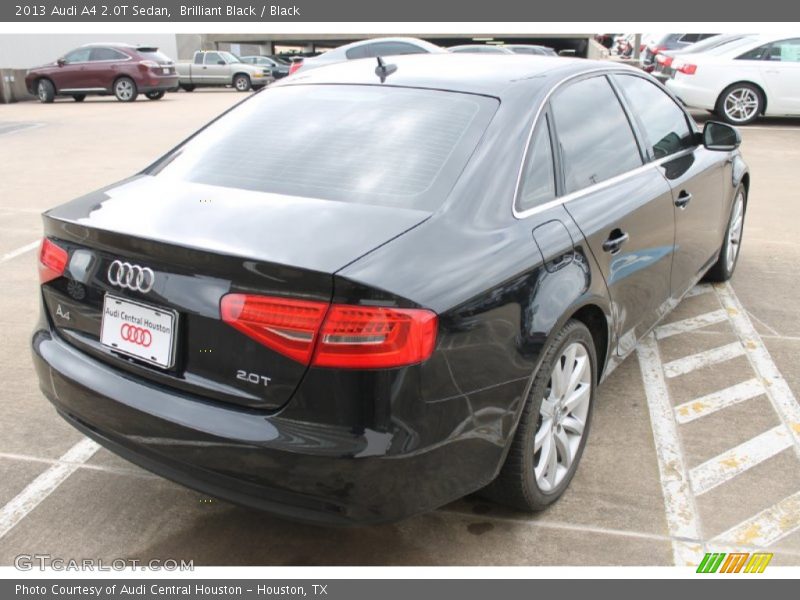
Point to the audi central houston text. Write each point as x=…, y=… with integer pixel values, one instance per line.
x=421, y=308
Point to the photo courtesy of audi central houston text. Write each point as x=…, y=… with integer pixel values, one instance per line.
x=380, y=283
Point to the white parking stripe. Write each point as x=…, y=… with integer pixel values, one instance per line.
x=41, y=487
x=699, y=290
x=778, y=391
x=19, y=251
x=704, y=320
x=736, y=461
x=707, y=358
x=767, y=527
x=706, y=405
x=682, y=518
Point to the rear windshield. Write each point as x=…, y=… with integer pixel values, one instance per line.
x=377, y=145
x=155, y=55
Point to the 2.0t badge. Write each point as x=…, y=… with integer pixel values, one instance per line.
x=132, y=277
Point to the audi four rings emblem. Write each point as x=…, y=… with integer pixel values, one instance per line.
x=132, y=277
x=136, y=335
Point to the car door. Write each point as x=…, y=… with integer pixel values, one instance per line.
x=213, y=72
x=781, y=71
x=103, y=67
x=622, y=206
x=696, y=177
x=72, y=75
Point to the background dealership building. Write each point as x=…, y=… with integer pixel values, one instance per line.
x=19, y=52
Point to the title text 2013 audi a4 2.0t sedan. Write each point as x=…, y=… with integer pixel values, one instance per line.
x=421, y=308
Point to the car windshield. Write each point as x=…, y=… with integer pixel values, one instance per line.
x=349, y=143
x=229, y=57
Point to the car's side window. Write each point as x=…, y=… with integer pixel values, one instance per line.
x=663, y=122
x=538, y=178
x=212, y=58
x=395, y=48
x=198, y=58
x=594, y=135
x=785, y=51
x=106, y=54
x=78, y=56
x=363, y=51
x=755, y=54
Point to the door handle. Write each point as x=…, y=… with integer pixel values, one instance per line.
x=683, y=199
x=615, y=241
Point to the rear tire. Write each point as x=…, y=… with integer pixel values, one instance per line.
x=45, y=91
x=125, y=89
x=242, y=83
x=740, y=104
x=729, y=252
x=187, y=88
x=79, y=97
x=528, y=480
x=158, y=95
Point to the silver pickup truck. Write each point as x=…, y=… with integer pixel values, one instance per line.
x=219, y=68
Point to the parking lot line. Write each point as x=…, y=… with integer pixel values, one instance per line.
x=19, y=251
x=737, y=460
x=687, y=364
x=699, y=290
x=682, y=518
x=41, y=487
x=767, y=527
x=775, y=386
x=710, y=403
x=690, y=324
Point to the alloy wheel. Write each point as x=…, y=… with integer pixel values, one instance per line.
x=124, y=89
x=42, y=90
x=735, y=232
x=741, y=104
x=242, y=84
x=562, y=416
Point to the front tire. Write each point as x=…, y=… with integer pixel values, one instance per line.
x=125, y=89
x=45, y=91
x=554, y=425
x=242, y=83
x=729, y=252
x=157, y=95
x=740, y=104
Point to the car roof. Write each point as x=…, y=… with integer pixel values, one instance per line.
x=486, y=74
x=118, y=45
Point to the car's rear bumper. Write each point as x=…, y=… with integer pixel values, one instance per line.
x=164, y=83
x=692, y=93
x=301, y=470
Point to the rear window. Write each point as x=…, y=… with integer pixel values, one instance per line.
x=350, y=143
x=155, y=55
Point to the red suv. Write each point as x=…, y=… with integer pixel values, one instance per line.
x=120, y=69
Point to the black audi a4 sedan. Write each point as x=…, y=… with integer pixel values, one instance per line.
x=420, y=308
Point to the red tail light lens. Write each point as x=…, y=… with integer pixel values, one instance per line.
x=339, y=335
x=285, y=325
x=687, y=69
x=52, y=261
x=296, y=64
x=366, y=337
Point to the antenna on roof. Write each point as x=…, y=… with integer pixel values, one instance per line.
x=383, y=70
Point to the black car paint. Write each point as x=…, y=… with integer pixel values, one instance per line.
x=369, y=446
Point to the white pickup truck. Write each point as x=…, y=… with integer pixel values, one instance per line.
x=219, y=68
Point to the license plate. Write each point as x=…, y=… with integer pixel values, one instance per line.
x=139, y=330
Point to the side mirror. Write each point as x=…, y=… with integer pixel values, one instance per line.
x=220, y=62
x=720, y=136
x=61, y=62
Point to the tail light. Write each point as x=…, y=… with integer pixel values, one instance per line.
x=295, y=66
x=687, y=69
x=52, y=261
x=334, y=335
x=664, y=60
x=149, y=64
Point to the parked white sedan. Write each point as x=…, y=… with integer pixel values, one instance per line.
x=758, y=77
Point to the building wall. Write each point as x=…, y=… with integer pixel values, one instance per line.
x=23, y=51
